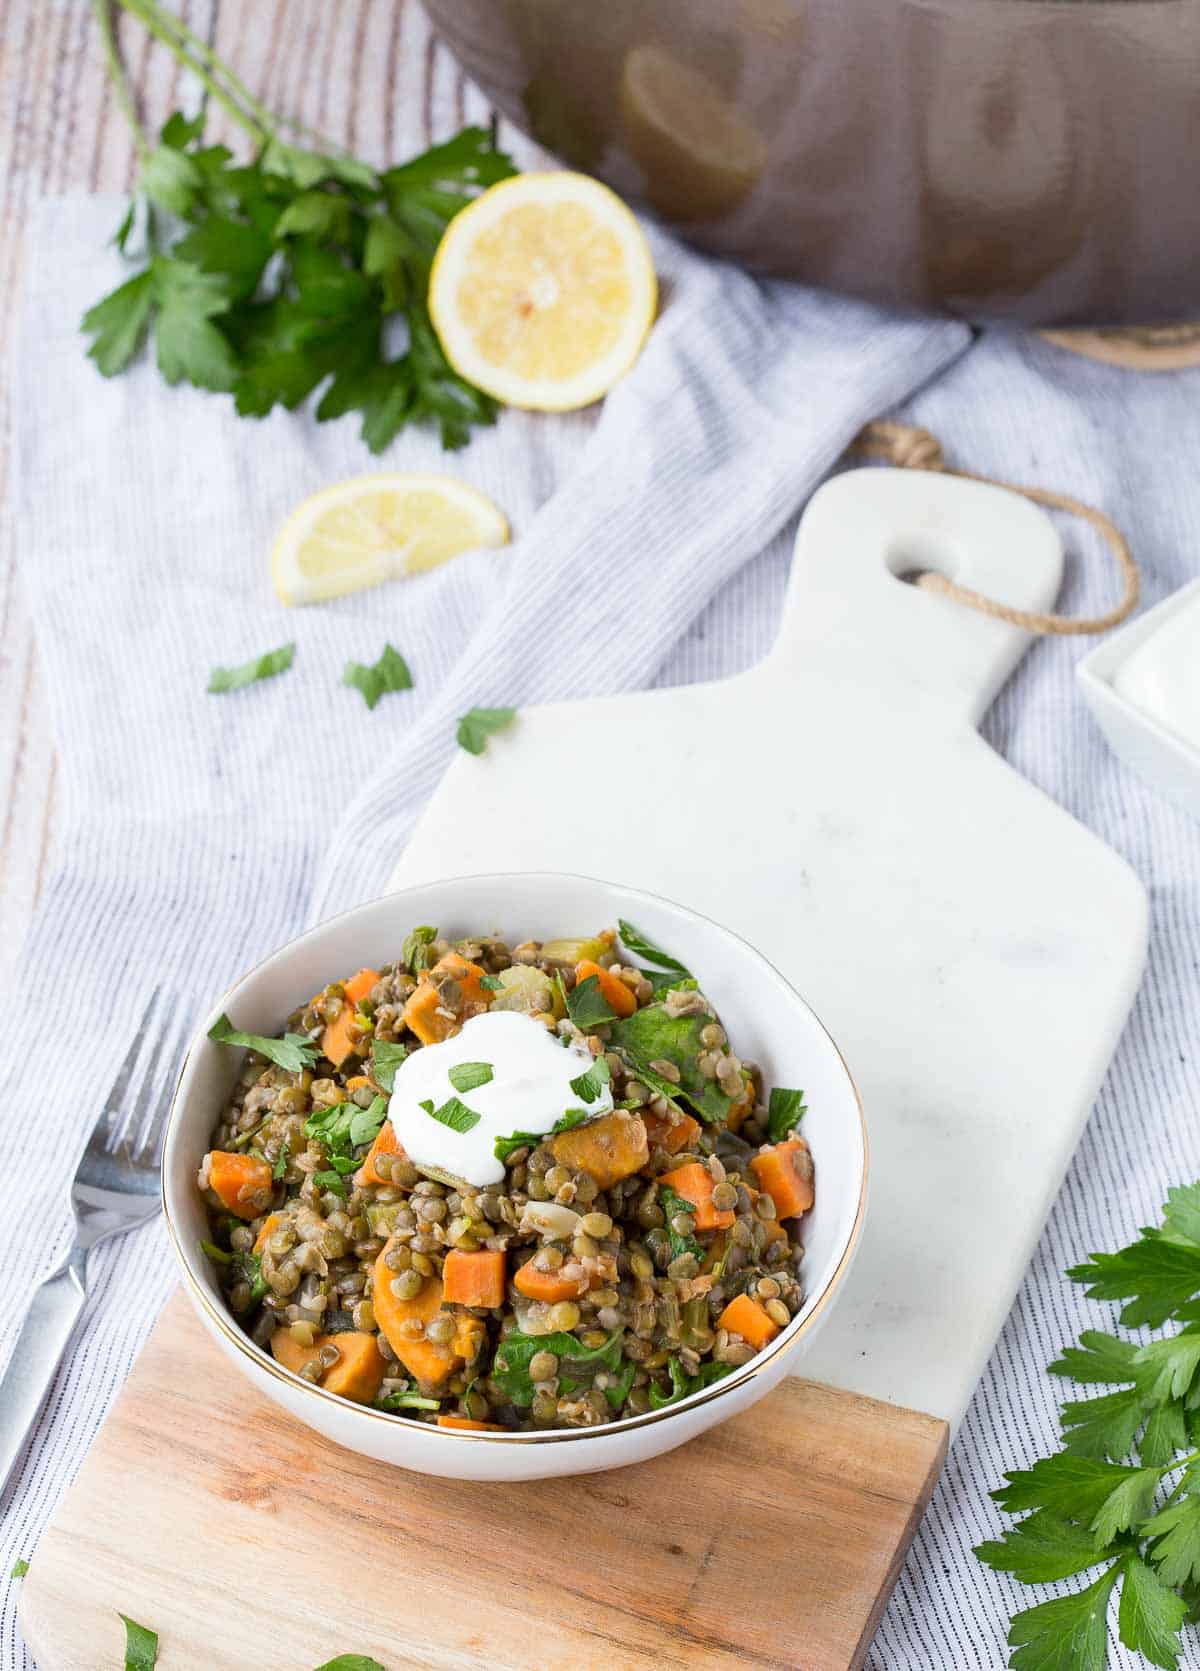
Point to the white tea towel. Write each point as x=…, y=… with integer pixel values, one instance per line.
x=196, y=824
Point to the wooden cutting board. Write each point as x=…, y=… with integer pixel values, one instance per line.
x=972, y=949
x=246, y=1541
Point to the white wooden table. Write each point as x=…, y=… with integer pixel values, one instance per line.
x=366, y=73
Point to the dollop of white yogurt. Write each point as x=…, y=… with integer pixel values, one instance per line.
x=530, y=1090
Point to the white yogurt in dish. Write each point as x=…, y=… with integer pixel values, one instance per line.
x=528, y=1088
x=1161, y=678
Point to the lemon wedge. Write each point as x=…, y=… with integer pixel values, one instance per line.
x=374, y=528
x=543, y=290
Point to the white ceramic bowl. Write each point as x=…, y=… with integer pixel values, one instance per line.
x=767, y=1021
x=1156, y=755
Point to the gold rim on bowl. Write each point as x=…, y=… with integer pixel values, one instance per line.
x=787, y=1338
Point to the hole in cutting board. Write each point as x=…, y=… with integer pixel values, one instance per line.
x=915, y=554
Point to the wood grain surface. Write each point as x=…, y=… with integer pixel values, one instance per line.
x=245, y=1540
x=366, y=73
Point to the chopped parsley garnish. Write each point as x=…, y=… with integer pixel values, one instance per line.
x=415, y=950
x=141, y=1646
x=250, y=672
x=385, y=1059
x=279, y=1170
x=645, y=948
x=469, y=1076
x=352, y=1662
x=331, y=1181
x=389, y=673
x=491, y=983
x=785, y=1111
x=366, y=1123
x=292, y=1052
x=587, y=1006
x=504, y=1146
x=589, y=1086
x=475, y=727
x=20, y=1568
x=453, y=1113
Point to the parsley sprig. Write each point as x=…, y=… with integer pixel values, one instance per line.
x=1124, y=1492
x=273, y=278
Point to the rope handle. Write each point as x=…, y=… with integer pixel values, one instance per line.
x=910, y=448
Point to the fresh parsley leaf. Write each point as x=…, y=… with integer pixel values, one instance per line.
x=1077, y=1487
x=262, y=667
x=642, y=946
x=189, y=347
x=682, y=1384
x=385, y=1059
x=247, y=1267
x=1155, y=1276
x=170, y=179
x=1181, y=1215
x=476, y=726
x=367, y=1123
x=1150, y=1615
x=785, y=1110
x=1167, y=1368
x=20, y=1568
x=1067, y=1634
x=1098, y=1357
x=1165, y=1435
x=1105, y=1426
x=1175, y=1541
x=331, y=1181
x=331, y=1125
x=218, y=1255
x=452, y=1113
x=469, y=1076
x=1041, y=1549
x=293, y=1052
x=577, y=1363
x=415, y=950
x=587, y=1006
x=141, y=1646
x=504, y=1146
x=672, y=1205
x=589, y=1086
x=119, y=324
x=389, y=673
x=279, y=1170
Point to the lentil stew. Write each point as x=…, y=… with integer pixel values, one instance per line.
x=626, y=1250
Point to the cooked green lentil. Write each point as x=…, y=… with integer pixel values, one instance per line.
x=621, y=1286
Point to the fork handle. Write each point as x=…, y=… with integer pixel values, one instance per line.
x=53, y=1313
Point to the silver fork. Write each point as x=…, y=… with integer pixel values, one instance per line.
x=116, y=1188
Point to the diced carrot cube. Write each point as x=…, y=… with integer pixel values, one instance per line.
x=746, y=1317
x=786, y=1173
x=694, y=1183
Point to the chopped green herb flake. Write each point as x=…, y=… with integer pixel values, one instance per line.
x=366, y=1123
x=475, y=727
x=250, y=672
x=504, y=1146
x=785, y=1111
x=643, y=947
x=385, y=1059
x=452, y=1113
x=587, y=1005
x=589, y=1086
x=331, y=1181
x=672, y=1205
x=469, y=1076
x=415, y=951
x=279, y=1170
x=20, y=1568
x=351, y=1662
x=389, y=673
x=491, y=983
x=293, y=1052
x=141, y=1646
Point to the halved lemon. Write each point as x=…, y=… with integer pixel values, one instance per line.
x=374, y=528
x=543, y=290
